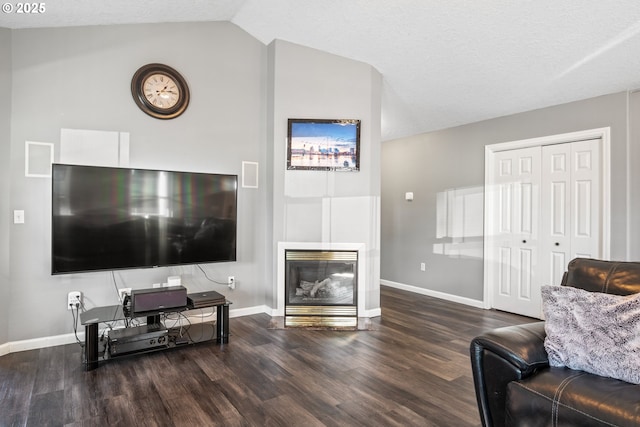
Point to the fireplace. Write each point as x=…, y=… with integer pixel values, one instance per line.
x=321, y=287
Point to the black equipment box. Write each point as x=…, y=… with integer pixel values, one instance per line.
x=205, y=299
x=158, y=299
x=137, y=338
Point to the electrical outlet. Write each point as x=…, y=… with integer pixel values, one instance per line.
x=231, y=281
x=73, y=298
x=18, y=217
x=122, y=292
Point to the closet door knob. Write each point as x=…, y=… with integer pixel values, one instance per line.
x=524, y=241
x=557, y=244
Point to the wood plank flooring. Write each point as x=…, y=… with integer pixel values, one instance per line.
x=412, y=369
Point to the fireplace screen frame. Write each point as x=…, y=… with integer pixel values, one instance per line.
x=329, y=306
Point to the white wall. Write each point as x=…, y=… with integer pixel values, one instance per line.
x=321, y=206
x=242, y=93
x=449, y=160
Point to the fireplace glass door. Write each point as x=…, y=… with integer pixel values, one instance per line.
x=321, y=287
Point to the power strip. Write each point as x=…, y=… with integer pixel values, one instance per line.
x=122, y=292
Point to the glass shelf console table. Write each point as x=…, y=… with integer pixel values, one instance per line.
x=143, y=338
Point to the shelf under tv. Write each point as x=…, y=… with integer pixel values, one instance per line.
x=149, y=337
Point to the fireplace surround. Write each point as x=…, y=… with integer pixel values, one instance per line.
x=319, y=284
x=321, y=287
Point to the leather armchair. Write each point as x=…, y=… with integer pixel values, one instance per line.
x=515, y=385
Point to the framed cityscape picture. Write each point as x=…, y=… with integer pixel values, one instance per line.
x=323, y=145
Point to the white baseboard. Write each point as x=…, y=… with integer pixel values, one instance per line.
x=435, y=294
x=36, y=343
x=376, y=312
x=249, y=311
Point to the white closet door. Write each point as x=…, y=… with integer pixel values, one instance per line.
x=570, y=206
x=515, y=231
x=545, y=211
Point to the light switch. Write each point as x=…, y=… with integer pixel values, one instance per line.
x=18, y=217
x=408, y=196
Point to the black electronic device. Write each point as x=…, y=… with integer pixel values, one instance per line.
x=158, y=299
x=106, y=218
x=205, y=299
x=137, y=338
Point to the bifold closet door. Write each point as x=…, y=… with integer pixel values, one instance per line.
x=515, y=220
x=545, y=211
x=571, y=218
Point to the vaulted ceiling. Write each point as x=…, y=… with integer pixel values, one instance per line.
x=444, y=62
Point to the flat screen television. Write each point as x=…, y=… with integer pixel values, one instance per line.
x=106, y=218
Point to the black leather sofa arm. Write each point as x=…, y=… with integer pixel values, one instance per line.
x=501, y=356
x=522, y=345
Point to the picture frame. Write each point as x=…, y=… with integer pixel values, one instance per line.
x=323, y=144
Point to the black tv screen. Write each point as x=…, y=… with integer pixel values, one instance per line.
x=106, y=218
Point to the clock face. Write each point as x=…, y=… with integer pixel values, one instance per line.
x=160, y=91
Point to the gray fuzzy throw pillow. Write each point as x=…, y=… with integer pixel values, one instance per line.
x=593, y=332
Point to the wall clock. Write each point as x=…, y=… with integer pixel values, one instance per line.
x=160, y=91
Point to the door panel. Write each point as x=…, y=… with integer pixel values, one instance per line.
x=586, y=235
x=506, y=192
x=573, y=175
x=504, y=267
x=515, y=232
x=526, y=199
x=557, y=209
x=583, y=209
x=525, y=279
x=556, y=206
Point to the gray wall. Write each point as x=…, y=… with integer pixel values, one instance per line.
x=242, y=92
x=79, y=78
x=453, y=159
x=320, y=206
x=5, y=162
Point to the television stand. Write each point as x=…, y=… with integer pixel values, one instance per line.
x=150, y=337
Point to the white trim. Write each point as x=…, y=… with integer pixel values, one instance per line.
x=628, y=177
x=240, y=312
x=435, y=294
x=375, y=312
x=282, y=246
x=599, y=133
x=245, y=172
x=36, y=343
x=364, y=314
x=27, y=155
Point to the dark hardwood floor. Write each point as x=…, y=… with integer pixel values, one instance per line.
x=412, y=369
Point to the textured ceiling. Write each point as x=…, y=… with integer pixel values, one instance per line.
x=444, y=62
